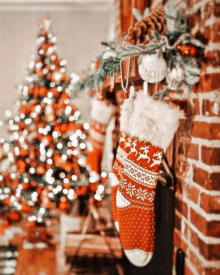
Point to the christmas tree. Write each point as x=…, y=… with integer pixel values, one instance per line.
x=44, y=162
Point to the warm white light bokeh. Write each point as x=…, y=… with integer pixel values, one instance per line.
x=79, y=26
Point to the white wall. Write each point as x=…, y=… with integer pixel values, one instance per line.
x=78, y=31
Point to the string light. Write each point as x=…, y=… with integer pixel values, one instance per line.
x=43, y=153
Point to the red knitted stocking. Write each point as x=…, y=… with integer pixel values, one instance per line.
x=152, y=127
x=101, y=114
x=116, y=175
x=122, y=151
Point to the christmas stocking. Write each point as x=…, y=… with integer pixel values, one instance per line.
x=152, y=127
x=123, y=148
x=100, y=114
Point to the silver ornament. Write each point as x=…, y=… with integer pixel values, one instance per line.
x=175, y=76
x=152, y=67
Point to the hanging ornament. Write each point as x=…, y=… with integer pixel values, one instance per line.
x=152, y=67
x=14, y=216
x=187, y=50
x=25, y=185
x=21, y=166
x=125, y=88
x=175, y=76
x=43, y=91
x=41, y=169
x=30, y=224
x=64, y=204
x=81, y=190
x=23, y=152
x=25, y=207
x=6, y=201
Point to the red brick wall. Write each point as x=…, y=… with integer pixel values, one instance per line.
x=197, y=154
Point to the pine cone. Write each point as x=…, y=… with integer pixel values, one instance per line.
x=146, y=26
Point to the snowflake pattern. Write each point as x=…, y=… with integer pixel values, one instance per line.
x=131, y=190
x=123, y=183
x=141, y=194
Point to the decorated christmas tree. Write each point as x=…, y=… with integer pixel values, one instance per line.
x=43, y=165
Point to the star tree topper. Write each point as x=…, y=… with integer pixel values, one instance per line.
x=45, y=23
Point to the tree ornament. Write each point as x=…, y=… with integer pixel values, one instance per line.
x=21, y=166
x=152, y=67
x=175, y=76
x=82, y=190
x=23, y=152
x=6, y=201
x=67, y=185
x=40, y=169
x=25, y=185
x=30, y=224
x=14, y=216
x=187, y=50
x=64, y=204
x=5, y=223
x=43, y=91
x=25, y=207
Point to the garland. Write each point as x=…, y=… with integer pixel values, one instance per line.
x=181, y=52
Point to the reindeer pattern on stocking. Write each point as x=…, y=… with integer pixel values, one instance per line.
x=147, y=152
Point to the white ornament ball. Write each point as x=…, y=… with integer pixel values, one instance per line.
x=108, y=54
x=152, y=67
x=175, y=76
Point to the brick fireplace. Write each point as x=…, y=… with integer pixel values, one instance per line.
x=197, y=155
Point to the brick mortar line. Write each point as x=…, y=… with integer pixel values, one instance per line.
x=213, y=95
x=202, y=189
x=213, y=46
x=210, y=70
x=212, y=20
x=200, y=4
x=208, y=119
x=207, y=168
x=208, y=264
x=206, y=142
x=199, y=210
x=207, y=240
x=192, y=267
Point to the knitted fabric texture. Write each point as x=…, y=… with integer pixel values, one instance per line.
x=150, y=125
x=122, y=151
x=100, y=114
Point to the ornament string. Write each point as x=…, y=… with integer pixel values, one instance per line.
x=124, y=88
x=182, y=36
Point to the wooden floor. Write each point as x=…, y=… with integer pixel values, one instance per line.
x=36, y=262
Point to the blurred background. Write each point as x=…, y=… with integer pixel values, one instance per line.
x=79, y=25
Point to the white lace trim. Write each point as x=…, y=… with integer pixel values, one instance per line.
x=139, y=174
x=121, y=201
